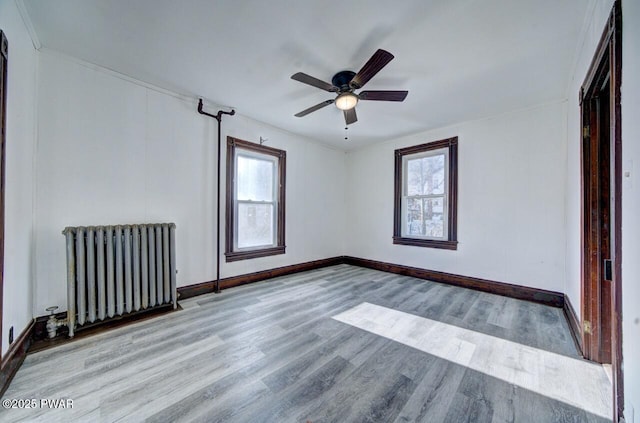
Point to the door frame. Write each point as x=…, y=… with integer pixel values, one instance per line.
x=607, y=62
x=4, y=59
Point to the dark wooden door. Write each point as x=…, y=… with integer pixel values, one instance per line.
x=596, y=148
x=602, y=206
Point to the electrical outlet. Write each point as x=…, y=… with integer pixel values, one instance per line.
x=11, y=334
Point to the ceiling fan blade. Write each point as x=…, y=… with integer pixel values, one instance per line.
x=378, y=61
x=314, y=82
x=350, y=116
x=314, y=108
x=383, y=95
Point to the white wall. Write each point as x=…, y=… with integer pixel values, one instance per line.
x=112, y=150
x=594, y=25
x=631, y=205
x=511, y=200
x=18, y=241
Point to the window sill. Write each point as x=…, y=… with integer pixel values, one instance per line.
x=245, y=255
x=430, y=243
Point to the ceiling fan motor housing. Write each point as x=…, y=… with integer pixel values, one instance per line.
x=342, y=79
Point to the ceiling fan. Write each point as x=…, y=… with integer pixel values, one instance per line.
x=346, y=82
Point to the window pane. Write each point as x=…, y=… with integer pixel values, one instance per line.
x=255, y=179
x=425, y=217
x=425, y=175
x=255, y=225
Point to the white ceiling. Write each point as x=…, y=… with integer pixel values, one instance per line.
x=459, y=59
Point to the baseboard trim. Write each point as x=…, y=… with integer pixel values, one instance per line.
x=194, y=290
x=574, y=323
x=551, y=298
x=16, y=354
x=41, y=341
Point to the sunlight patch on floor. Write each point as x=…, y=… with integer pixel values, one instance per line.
x=576, y=382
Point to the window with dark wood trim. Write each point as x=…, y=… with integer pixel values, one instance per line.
x=255, y=208
x=425, y=195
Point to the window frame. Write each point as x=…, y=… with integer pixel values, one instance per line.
x=450, y=241
x=232, y=252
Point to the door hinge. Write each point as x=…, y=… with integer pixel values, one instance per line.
x=586, y=131
x=586, y=326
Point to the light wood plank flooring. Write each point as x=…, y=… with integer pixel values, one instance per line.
x=283, y=351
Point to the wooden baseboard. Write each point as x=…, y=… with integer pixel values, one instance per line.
x=555, y=299
x=12, y=361
x=40, y=328
x=189, y=291
x=574, y=323
x=41, y=341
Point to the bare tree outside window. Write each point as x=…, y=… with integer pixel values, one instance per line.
x=425, y=196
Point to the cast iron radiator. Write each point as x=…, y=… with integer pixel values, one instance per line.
x=117, y=270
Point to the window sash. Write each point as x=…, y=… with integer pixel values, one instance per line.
x=406, y=198
x=240, y=152
x=274, y=225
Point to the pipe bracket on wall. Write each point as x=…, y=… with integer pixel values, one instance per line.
x=217, y=117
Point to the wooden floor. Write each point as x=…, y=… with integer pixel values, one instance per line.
x=285, y=350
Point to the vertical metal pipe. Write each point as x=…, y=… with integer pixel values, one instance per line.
x=159, y=289
x=135, y=229
x=152, y=266
x=91, y=275
x=100, y=273
x=172, y=264
x=144, y=266
x=128, y=277
x=119, y=271
x=71, y=281
x=80, y=276
x=217, y=287
x=217, y=117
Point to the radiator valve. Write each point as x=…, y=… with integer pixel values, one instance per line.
x=54, y=323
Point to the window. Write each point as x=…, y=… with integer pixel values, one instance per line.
x=425, y=195
x=255, y=200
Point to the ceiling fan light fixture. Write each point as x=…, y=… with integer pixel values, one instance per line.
x=346, y=101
